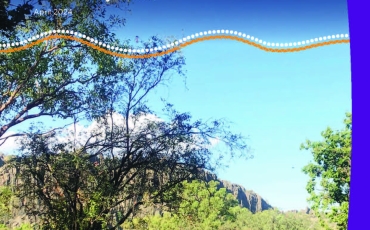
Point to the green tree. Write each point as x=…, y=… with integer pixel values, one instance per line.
x=5, y=204
x=141, y=159
x=331, y=166
x=202, y=206
x=11, y=16
x=54, y=78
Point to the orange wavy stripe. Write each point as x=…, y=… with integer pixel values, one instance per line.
x=213, y=37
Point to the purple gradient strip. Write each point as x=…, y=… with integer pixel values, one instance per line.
x=359, y=21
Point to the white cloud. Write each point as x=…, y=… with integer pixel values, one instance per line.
x=136, y=123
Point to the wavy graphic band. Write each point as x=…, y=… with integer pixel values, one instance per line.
x=177, y=45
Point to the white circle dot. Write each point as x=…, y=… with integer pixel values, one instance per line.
x=214, y=31
x=205, y=32
x=316, y=39
x=272, y=44
x=201, y=33
x=252, y=38
x=244, y=35
x=299, y=43
x=222, y=31
x=218, y=31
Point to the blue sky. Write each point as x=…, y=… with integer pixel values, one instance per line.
x=277, y=100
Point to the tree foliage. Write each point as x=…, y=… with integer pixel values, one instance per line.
x=141, y=157
x=331, y=166
x=54, y=78
x=203, y=206
x=100, y=178
x=5, y=203
x=11, y=16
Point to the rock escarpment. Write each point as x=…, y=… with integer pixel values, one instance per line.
x=247, y=198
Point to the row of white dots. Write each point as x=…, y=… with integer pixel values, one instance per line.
x=231, y=32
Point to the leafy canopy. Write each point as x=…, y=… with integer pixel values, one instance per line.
x=332, y=167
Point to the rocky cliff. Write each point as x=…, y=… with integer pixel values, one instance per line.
x=247, y=198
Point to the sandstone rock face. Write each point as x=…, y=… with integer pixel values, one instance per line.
x=247, y=198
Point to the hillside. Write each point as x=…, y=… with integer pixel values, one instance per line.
x=247, y=198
